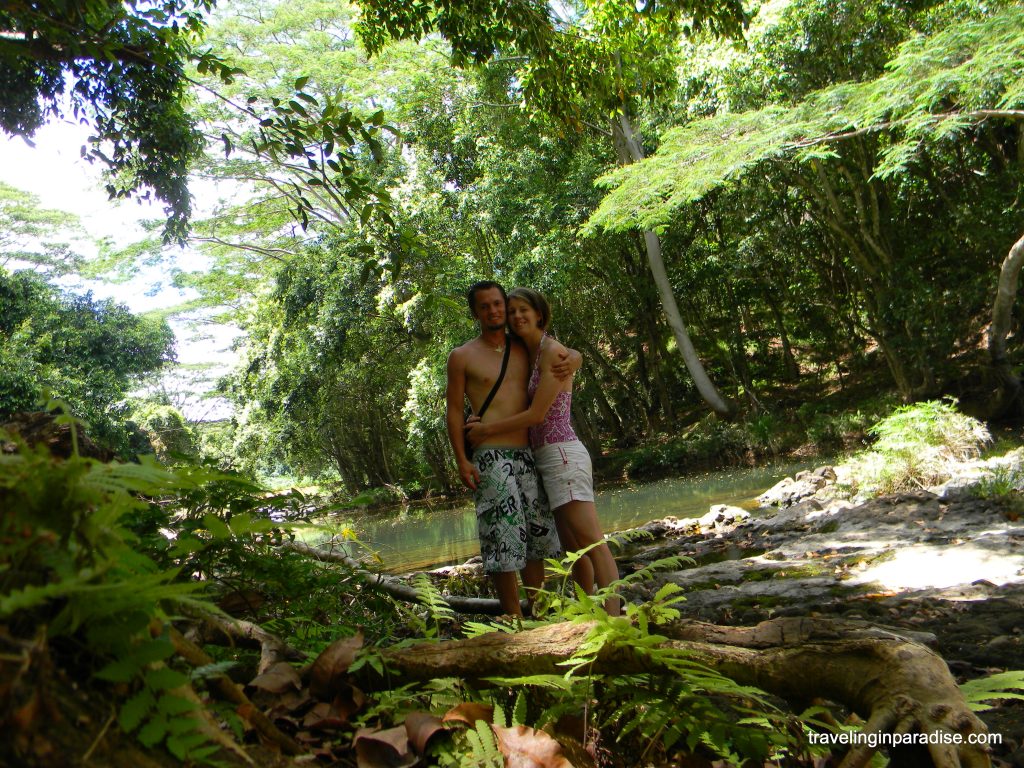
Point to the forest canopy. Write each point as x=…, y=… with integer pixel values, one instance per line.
x=724, y=204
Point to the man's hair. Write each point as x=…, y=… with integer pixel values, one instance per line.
x=481, y=285
x=536, y=300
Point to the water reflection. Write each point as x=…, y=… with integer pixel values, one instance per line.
x=421, y=538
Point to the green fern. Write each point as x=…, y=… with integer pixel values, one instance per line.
x=520, y=708
x=76, y=569
x=999, y=687
x=484, y=747
x=430, y=597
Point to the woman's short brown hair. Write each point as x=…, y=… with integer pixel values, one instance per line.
x=536, y=300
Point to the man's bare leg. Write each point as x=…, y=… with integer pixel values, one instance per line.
x=506, y=584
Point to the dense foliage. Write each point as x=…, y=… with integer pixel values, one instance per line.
x=794, y=260
x=88, y=352
x=104, y=555
x=121, y=67
x=780, y=236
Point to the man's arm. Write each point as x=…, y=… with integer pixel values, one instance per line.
x=566, y=364
x=455, y=397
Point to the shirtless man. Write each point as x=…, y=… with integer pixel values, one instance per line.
x=516, y=527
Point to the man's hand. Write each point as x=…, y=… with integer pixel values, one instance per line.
x=567, y=364
x=476, y=432
x=470, y=474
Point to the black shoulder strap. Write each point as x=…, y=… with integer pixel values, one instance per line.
x=501, y=376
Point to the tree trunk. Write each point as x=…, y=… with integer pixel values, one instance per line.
x=661, y=387
x=585, y=431
x=1008, y=394
x=630, y=151
x=897, y=685
x=792, y=370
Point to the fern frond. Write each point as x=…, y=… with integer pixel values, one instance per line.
x=476, y=628
x=674, y=563
x=430, y=597
x=1002, y=686
x=519, y=710
x=552, y=682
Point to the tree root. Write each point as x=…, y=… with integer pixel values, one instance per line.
x=899, y=686
x=229, y=691
x=215, y=630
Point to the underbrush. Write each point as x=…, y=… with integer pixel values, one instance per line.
x=104, y=567
x=916, y=446
x=708, y=444
x=713, y=444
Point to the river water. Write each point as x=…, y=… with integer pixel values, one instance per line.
x=418, y=538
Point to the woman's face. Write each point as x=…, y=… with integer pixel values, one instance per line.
x=521, y=316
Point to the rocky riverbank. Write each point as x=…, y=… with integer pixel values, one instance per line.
x=947, y=560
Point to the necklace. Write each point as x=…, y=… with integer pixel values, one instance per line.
x=498, y=349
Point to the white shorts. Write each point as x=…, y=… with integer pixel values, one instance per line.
x=566, y=472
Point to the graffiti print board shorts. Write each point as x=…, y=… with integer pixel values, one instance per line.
x=513, y=519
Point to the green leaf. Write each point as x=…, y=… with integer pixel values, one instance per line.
x=182, y=746
x=125, y=669
x=216, y=526
x=164, y=678
x=998, y=687
x=134, y=711
x=153, y=732
x=216, y=669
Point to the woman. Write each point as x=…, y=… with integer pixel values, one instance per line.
x=562, y=461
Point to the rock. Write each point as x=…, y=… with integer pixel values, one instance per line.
x=1003, y=641
x=722, y=516
x=827, y=473
x=790, y=491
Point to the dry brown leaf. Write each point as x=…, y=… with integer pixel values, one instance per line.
x=25, y=716
x=291, y=702
x=524, y=747
x=384, y=749
x=576, y=753
x=349, y=700
x=469, y=712
x=279, y=678
x=421, y=726
x=324, y=717
x=331, y=665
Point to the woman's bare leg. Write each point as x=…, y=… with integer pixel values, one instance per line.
x=580, y=518
x=583, y=568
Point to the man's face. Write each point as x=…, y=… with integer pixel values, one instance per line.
x=489, y=308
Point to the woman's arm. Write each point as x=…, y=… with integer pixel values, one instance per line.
x=547, y=391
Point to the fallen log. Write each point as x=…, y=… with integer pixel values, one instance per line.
x=220, y=630
x=898, y=686
x=227, y=690
x=392, y=585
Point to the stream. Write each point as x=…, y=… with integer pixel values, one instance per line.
x=420, y=538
